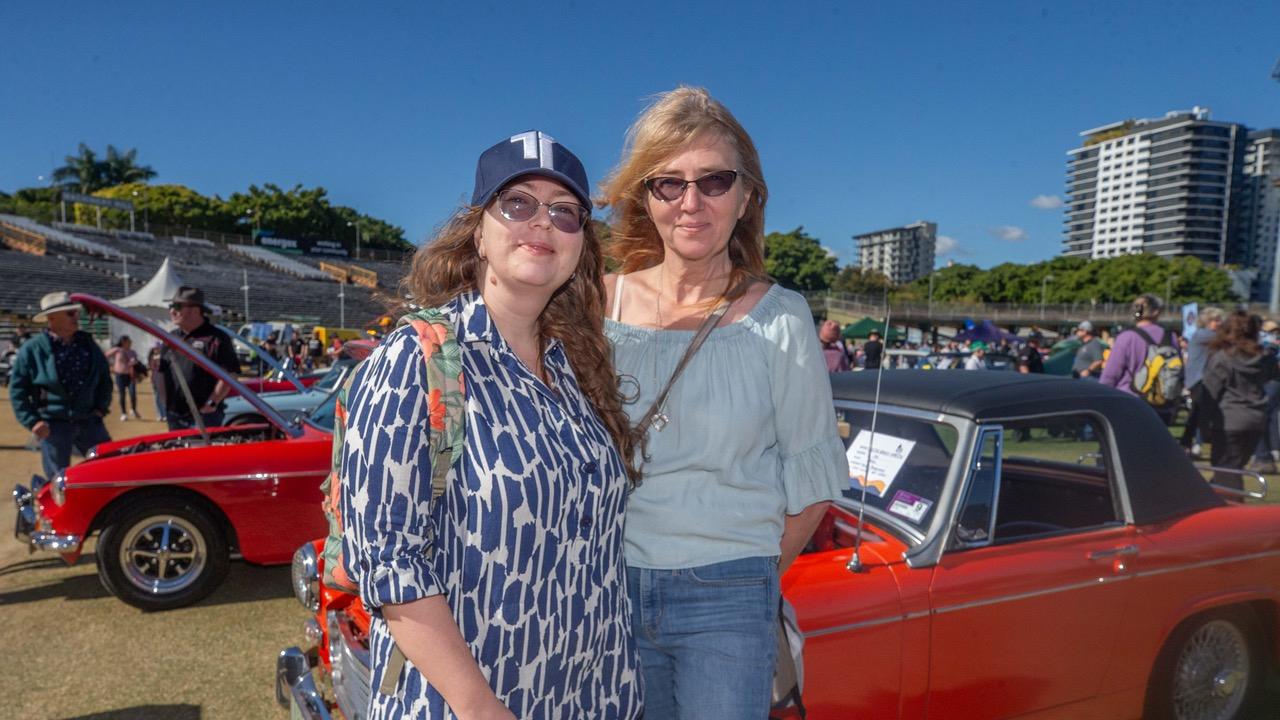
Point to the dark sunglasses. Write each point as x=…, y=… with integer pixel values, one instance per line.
x=177, y=307
x=521, y=207
x=714, y=184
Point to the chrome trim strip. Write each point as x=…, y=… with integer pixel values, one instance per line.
x=1037, y=593
x=52, y=542
x=296, y=688
x=1208, y=563
x=1032, y=593
x=964, y=606
x=254, y=477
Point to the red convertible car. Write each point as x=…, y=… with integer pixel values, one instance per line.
x=1010, y=546
x=172, y=508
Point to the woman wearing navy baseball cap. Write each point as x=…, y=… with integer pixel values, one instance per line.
x=505, y=593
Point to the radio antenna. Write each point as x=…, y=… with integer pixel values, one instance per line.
x=855, y=563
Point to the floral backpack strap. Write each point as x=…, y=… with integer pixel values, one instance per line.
x=445, y=396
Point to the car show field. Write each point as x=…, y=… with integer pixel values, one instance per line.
x=79, y=653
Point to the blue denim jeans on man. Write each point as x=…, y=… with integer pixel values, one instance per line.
x=55, y=450
x=707, y=638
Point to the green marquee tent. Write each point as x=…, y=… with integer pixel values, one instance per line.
x=861, y=329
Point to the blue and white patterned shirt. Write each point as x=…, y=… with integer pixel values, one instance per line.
x=526, y=542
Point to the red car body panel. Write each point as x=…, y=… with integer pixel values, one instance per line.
x=263, y=385
x=264, y=480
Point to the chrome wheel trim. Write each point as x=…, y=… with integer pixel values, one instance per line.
x=1212, y=673
x=163, y=554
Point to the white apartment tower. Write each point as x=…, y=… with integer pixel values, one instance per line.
x=902, y=254
x=1162, y=186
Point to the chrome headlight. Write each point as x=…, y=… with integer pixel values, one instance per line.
x=306, y=577
x=58, y=489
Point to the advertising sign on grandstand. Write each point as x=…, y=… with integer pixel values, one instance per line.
x=75, y=197
x=294, y=246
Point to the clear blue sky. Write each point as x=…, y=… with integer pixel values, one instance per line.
x=867, y=115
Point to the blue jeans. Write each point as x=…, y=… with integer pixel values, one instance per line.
x=213, y=419
x=707, y=638
x=55, y=450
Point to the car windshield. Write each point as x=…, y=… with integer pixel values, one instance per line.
x=908, y=462
x=322, y=415
x=335, y=374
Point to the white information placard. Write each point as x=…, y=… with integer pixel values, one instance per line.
x=887, y=458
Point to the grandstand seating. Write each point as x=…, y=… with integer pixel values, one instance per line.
x=221, y=274
x=273, y=259
x=61, y=237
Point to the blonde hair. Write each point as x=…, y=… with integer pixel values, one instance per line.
x=674, y=121
x=450, y=265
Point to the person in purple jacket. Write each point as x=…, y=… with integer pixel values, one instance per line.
x=1129, y=351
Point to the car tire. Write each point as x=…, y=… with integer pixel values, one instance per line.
x=248, y=419
x=162, y=553
x=1211, y=666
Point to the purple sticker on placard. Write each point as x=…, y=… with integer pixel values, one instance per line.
x=909, y=505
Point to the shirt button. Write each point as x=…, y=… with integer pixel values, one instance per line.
x=586, y=522
x=590, y=468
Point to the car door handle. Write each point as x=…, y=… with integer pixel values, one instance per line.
x=1113, y=552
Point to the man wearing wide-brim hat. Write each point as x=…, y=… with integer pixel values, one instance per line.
x=60, y=385
x=189, y=312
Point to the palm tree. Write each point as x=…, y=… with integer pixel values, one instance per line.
x=83, y=171
x=119, y=169
x=87, y=173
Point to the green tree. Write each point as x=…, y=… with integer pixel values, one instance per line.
x=169, y=206
x=38, y=203
x=855, y=280
x=302, y=212
x=797, y=261
x=120, y=168
x=86, y=173
x=82, y=171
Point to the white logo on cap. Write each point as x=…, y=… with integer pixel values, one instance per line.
x=537, y=146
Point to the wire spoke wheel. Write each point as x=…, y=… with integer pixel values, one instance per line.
x=1211, y=675
x=161, y=555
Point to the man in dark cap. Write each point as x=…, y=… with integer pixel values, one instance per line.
x=190, y=313
x=60, y=385
x=1029, y=358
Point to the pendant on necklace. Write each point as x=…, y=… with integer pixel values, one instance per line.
x=660, y=421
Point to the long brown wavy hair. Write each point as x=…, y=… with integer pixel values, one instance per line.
x=1238, y=335
x=676, y=120
x=450, y=264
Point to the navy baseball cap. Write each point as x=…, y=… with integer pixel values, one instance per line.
x=529, y=153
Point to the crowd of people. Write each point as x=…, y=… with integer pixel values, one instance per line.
x=1225, y=382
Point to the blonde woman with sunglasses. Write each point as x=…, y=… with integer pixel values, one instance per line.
x=743, y=456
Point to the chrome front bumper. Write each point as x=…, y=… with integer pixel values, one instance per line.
x=296, y=688
x=27, y=521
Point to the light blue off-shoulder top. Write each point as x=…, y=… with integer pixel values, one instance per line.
x=752, y=434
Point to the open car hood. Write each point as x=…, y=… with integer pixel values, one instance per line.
x=94, y=304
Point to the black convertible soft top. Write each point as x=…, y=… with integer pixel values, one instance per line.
x=1161, y=481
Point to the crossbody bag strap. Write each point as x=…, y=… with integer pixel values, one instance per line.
x=654, y=414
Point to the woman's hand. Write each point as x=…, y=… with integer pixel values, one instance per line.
x=493, y=710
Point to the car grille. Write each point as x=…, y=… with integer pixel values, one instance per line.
x=350, y=668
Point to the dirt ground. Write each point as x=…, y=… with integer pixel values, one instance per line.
x=74, y=652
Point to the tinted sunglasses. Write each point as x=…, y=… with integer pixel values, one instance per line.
x=177, y=307
x=521, y=207
x=714, y=184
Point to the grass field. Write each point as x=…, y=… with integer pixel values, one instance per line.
x=74, y=652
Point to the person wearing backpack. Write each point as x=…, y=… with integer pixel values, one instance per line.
x=1235, y=377
x=1145, y=360
x=502, y=594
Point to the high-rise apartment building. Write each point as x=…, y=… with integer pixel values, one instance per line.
x=1258, y=213
x=902, y=254
x=1163, y=186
